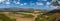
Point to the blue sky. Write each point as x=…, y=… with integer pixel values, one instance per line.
x=36, y=4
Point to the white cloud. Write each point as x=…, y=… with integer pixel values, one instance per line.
x=39, y=3
x=54, y=7
x=14, y=1
x=47, y=6
x=22, y=4
x=17, y=2
x=59, y=2
x=53, y=0
x=7, y=2
x=25, y=3
x=44, y=0
x=48, y=3
x=32, y=3
x=57, y=7
x=2, y=0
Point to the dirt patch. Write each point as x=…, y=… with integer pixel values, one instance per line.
x=24, y=19
x=19, y=18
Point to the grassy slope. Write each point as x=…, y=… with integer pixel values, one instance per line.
x=5, y=18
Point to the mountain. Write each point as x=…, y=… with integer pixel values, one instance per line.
x=21, y=10
x=16, y=9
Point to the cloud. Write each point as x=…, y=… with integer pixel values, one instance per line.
x=47, y=6
x=50, y=7
x=53, y=0
x=32, y=3
x=59, y=2
x=2, y=0
x=25, y=3
x=22, y=4
x=17, y=2
x=48, y=3
x=44, y=0
x=7, y=2
x=53, y=7
x=39, y=3
x=14, y=1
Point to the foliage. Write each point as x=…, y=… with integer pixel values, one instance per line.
x=14, y=12
x=50, y=18
x=28, y=16
x=37, y=19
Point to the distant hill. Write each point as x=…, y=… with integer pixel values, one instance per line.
x=16, y=9
x=20, y=10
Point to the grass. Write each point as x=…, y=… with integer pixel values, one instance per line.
x=28, y=16
x=50, y=18
x=38, y=18
x=5, y=18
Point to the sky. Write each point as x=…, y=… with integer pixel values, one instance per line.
x=36, y=4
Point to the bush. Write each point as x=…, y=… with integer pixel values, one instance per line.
x=38, y=18
x=28, y=16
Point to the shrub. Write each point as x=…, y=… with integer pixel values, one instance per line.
x=28, y=16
